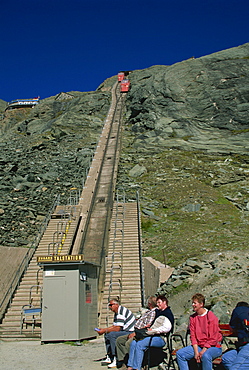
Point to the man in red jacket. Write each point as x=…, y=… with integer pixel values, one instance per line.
x=205, y=337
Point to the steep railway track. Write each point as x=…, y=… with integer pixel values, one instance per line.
x=89, y=233
x=94, y=234
x=97, y=197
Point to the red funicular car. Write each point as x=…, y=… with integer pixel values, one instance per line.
x=124, y=85
x=121, y=76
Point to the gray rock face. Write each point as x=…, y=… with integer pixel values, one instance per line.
x=45, y=151
x=221, y=277
x=137, y=171
x=199, y=103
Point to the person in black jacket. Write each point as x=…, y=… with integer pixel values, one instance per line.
x=239, y=359
x=137, y=348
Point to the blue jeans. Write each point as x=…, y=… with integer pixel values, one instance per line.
x=110, y=341
x=237, y=360
x=185, y=354
x=137, y=349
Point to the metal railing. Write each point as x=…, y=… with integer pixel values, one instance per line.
x=60, y=236
x=140, y=251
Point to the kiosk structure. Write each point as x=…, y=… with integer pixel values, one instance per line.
x=70, y=298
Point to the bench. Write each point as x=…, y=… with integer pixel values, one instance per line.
x=226, y=332
x=29, y=315
x=164, y=355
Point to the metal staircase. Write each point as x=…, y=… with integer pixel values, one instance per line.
x=123, y=265
x=65, y=220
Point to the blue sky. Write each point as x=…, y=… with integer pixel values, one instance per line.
x=49, y=46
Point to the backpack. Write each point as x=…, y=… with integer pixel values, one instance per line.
x=245, y=324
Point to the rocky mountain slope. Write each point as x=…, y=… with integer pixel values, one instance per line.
x=185, y=149
x=45, y=151
x=199, y=103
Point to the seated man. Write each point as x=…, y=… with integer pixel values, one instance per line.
x=238, y=359
x=145, y=321
x=123, y=324
x=137, y=348
x=205, y=337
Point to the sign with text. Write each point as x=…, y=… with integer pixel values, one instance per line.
x=62, y=258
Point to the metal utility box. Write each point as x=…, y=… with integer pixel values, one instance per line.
x=70, y=300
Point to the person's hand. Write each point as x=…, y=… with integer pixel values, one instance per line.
x=132, y=335
x=202, y=352
x=197, y=357
x=101, y=331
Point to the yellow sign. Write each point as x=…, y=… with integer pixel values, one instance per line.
x=60, y=258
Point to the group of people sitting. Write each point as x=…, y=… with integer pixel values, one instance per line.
x=127, y=339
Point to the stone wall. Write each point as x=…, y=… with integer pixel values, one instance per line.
x=11, y=258
x=155, y=274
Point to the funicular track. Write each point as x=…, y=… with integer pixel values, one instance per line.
x=104, y=221
x=95, y=221
x=111, y=229
x=83, y=227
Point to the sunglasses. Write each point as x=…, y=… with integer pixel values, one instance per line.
x=111, y=304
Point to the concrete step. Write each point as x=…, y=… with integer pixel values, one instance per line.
x=15, y=335
x=14, y=323
x=25, y=292
x=128, y=287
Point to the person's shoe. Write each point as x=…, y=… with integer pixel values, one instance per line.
x=113, y=364
x=106, y=361
x=122, y=367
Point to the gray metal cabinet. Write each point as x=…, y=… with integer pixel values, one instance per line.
x=70, y=301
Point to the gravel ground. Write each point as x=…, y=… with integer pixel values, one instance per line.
x=32, y=355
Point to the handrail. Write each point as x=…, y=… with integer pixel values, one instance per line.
x=24, y=264
x=116, y=240
x=140, y=251
x=37, y=287
x=37, y=276
x=76, y=216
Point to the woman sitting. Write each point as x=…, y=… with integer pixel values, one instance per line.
x=164, y=322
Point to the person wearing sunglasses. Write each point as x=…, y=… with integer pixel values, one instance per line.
x=123, y=324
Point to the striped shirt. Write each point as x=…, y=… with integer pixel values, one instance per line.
x=124, y=318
